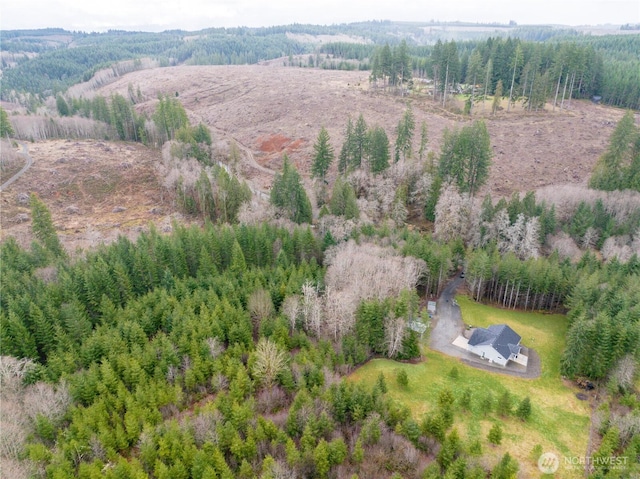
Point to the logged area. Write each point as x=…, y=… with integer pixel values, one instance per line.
x=98, y=189
x=95, y=190
x=273, y=109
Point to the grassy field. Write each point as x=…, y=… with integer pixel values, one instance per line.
x=559, y=421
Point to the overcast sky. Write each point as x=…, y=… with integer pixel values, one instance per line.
x=158, y=15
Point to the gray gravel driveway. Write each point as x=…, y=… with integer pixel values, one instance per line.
x=447, y=325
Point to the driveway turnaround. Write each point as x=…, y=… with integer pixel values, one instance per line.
x=447, y=325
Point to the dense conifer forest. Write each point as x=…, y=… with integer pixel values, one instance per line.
x=534, y=63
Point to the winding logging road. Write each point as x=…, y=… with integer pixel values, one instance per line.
x=29, y=162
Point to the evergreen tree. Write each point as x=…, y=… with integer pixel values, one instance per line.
x=378, y=148
x=524, y=409
x=62, y=105
x=288, y=194
x=486, y=405
x=619, y=167
x=170, y=116
x=465, y=399
x=504, y=405
x=6, y=129
x=466, y=156
x=360, y=139
x=42, y=226
x=449, y=451
x=424, y=138
x=345, y=159
x=402, y=378
x=343, y=200
x=238, y=264
x=507, y=468
x=323, y=155
x=123, y=118
x=495, y=434
x=321, y=459
x=404, y=135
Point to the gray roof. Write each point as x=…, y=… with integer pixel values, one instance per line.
x=500, y=336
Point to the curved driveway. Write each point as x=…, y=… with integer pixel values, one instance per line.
x=447, y=325
x=25, y=153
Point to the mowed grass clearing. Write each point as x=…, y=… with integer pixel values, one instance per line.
x=559, y=421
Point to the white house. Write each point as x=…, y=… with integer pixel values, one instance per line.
x=498, y=344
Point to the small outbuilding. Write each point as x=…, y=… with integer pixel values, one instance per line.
x=497, y=343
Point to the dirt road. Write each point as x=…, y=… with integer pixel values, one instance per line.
x=448, y=325
x=29, y=162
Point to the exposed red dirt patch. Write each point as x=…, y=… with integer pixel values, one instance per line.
x=272, y=148
x=273, y=144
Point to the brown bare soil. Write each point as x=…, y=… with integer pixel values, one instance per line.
x=268, y=110
x=95, y=190
x=272, y=109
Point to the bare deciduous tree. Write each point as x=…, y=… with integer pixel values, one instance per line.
x=359, y=272
x=399, y=213
x=270, y=360
x=590, y=237
x=339, y=227
x=19, y=409
x=620, y=204
x=260, y=305
x=530, y=246
x=8, y=156
x=617, y=247
x=291, y=309
x=624, y=373
x=394, y=331
x=216, y=347
x=43, y=399
x=204, y=428
x=219, y=382
x=255, y=212
x=12, y=372
x=311, y=309
x=452, y=214
x=564, y=245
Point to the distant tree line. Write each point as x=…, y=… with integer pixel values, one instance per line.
x=581, y=65
x=530, y=72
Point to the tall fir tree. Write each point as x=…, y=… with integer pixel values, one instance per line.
x=360, y=138
x=404, y=135
x=343, y=200
x=288, y=194
x=424, y=138
x=42, y=227
x=378, y=149
x=345, y=159
x=6, y=129
x=323, y=155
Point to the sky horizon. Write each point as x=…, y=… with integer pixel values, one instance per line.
x=159, y=15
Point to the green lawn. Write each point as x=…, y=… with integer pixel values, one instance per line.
x=559, y=421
